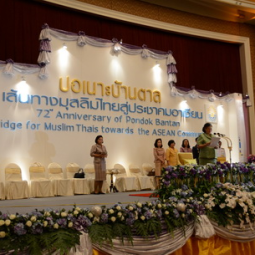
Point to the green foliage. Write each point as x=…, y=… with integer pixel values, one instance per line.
x=101, y=233
x=147, y=228
x=122, y=231
x=61, y=240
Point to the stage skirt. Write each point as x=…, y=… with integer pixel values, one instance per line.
x=212, y=246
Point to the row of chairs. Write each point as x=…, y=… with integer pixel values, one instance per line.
x=54, y=183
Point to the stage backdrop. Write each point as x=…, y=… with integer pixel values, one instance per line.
x=90, y=91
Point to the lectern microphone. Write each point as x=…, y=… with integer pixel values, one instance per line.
x=219, y=135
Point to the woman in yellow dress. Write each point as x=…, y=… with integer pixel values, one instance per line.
x=172, y=154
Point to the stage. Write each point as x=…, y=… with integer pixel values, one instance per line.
x=58, y=203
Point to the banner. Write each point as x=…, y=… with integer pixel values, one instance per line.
x=91, y=91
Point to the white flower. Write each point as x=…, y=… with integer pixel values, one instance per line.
x=159, y=206
x=55, y=226
x=191, y=211
x=29, y=223
x=111, y=211
x=130, y=208
x=206, y=195
x=45, y=223
x=183, y=215
x=96, y=219
x=75, y=212
x=70, y=224
x=122, y=218
x=118, y=207
x=78, y=209
x=2, y=222
x=7, y=222
x=64, y=214
x=150, y=204
x=207, y=206
x=222, y=205
x=119, y=214
x=231, y=203
x=142, y=217
x=90, y=215
x=113, y=218
x=12, y=216
x=46, y=214
x=253, y=194
x=33, y=218
x=166, y=212
x=136, y=217
x=139, y=205
x=2, y=234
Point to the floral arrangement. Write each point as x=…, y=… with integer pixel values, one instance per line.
x=186, y=192
x=226, y=204
x=229, y=204
x=251, y=158
x=43, y=232
x=196, y=176
x=225, y=192
x=141, y=219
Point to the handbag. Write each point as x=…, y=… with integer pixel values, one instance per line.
x=151, y=173
x=80, y=174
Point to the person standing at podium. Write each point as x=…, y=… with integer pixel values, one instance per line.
x=206, y=153
x=99, y=152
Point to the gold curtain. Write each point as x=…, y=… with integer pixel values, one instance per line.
x=212, y=246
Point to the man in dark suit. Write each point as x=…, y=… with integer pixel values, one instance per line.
x=195, y=152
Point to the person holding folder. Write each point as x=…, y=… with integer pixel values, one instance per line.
x=206, y=144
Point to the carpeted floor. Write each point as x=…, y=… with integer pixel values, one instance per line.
x=56, y=203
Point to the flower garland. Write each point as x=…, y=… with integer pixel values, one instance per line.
x=50, y=231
